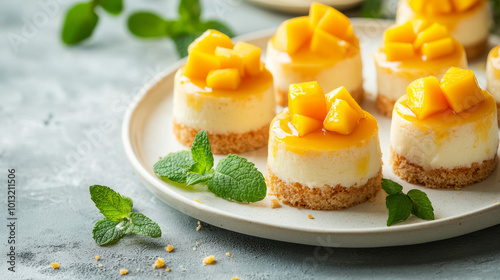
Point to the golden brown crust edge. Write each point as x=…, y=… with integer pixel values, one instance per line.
x=441, y=178
x=231, y=143
x=476, y=50
x=325, y=198
x=498, y=113
x=282, y=96
x=385, y=105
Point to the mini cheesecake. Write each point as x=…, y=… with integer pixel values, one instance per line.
x=320, y=47
x=493, y=75
x=324, y=153
x=410, y=51
x=445, y=134
x=225, y=90
x=469, y=21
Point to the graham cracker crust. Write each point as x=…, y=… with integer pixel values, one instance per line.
x=231, y=143
x=441, y=178
x=282, y=96
x=498, y=113
x=385, y=105
x=325, y=198
x=476, y=50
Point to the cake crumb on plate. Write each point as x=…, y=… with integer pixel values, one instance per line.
x=209, y=260
x=123, y=271
x=55, y=265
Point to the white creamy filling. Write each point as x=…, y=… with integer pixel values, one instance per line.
x=223, y=115
x=347, y=167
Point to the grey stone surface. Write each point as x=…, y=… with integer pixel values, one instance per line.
x=60, y=116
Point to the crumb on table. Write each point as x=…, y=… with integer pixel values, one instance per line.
x=99, y=265
x=199, y=226
x=55, y=265
x=169, y=248
x=228, y=254
x=235, y=278
x=159, y=263
x=275, y=204
x=209, y=260
x=123, y=271
x=310, y=217
x=167, y=269
x=97, y=258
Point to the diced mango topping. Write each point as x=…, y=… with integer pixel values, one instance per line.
x=399, y=51
x=417, y=5
x=425, y=97
x=209, y=40
x=305, y=125
x=420, y=25
x=463, y=5
x=400, y=33
x=334, y=22
x=292, y=34
x=433, y=7
x=230, y=59
x=341, y=118
x=325, y=44
x=199, y=64
x=438, y=48
x=307, y=99
x=433, y=33
x=251, y=57
x=438, y=7
x=460, y=88
x=342, y=93
x=224, y=79
x=316, y=13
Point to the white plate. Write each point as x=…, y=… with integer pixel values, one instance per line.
x=147, y=136
x=302, y=6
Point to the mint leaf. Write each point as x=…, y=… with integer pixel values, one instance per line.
x=217, y=25
x=371, y=9
x=422, y=206
x=194, y=178
x=143, y=225
x=200, y=150
x=175, y=166
x=391, y=187
x=79, y=23
x=147, y=25
x=110, y=203
x=190, y=10
x=106, y=231
x=182, y=43
x=114, y=7
x=399, y=206
x=238, y=179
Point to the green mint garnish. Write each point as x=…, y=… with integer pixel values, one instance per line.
x=401, y=205
x=114, y=7
x=234, y=178
x=119, y=218
x=79, y=23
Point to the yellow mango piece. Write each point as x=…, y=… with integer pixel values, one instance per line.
x=438, y=7
x=325, y=44
x=433, y=33
x=292, y=34
x=335, y=23
x=305, y=125
x=342, y=93
x=439, y=48
x=349, y=34
x=209, y=40
x=199, y=64
x=341, y=118
x=463, y=5
x=251, y=57
x=425, y=97
x=230, y=59
x=400, y=33
x=224, y=79
x=399, y=51
x=461, y=89
x=419, y=25
x=417, y=5
x=316, y=12
x=307, y=99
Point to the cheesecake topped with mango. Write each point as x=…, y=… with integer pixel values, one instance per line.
x=469, y=21
x=224, y=89
x=412, y=50
x=493, y=75
x=444, y=134
x=319, y=47
x=324, y=150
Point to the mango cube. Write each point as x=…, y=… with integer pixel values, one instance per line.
x=209, y=40
x=224, y=79
x=433, y=33
x=425, y=97
x=335, y=23
x=230, y=59
x=341, y=118
x=400, y=33
x=349, y=34
x=325, y=44
x=307, y=99
x=439, y=48
x=199, y=64
x=461, y=89
x=438, y=7
x=305, y=125
x=251, y=57
x=419, y=25
x=342, y=93
x=292, y=34
x=316, y=12
x=417, y=5
x=463, y=5
x=399, y=51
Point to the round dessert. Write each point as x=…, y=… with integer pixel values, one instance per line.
x=410, y=51
x=469, y=21
x=445, y=134
x=320, y=47
x=225, y=90
x=323, y=153
x=493, y=75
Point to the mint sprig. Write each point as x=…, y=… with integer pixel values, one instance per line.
x=401, y=205
x=118, y=217
x=234, y=178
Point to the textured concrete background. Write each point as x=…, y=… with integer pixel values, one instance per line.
x=60, y=116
